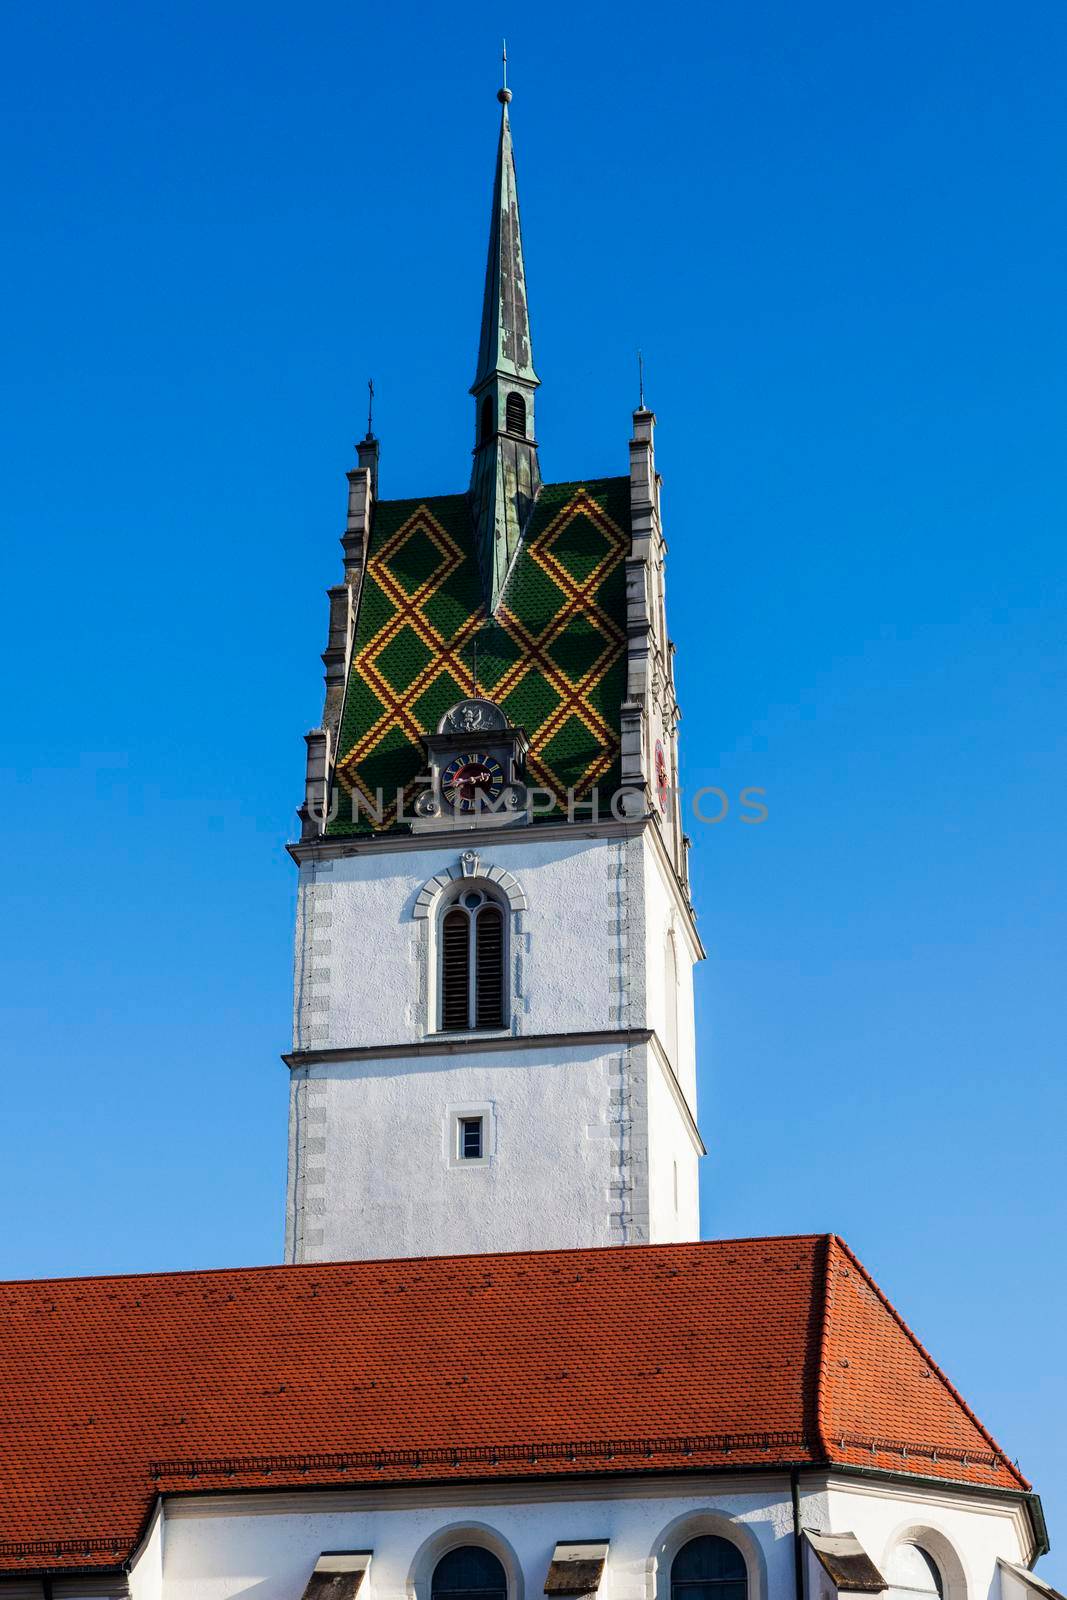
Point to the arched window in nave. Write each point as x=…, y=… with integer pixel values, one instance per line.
x=913, y=1574
x=469, y=1572
x=709, y=1568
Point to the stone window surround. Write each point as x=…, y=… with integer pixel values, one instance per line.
x=668, y=1542
x=937, y=1545
x=691, y=1525
x=453, y=1115
x=430, y=901
x=429, y=1553
x=470, y=868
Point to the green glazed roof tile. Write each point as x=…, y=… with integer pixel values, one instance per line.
x=553, y=656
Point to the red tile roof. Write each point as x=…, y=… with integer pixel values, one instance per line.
x=745, y=1353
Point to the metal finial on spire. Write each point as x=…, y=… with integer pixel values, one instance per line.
x=503, y=94
x=370, y=408
x=640, y=381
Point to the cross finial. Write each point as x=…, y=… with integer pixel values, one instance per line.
x=370, y=408
x=503, y=94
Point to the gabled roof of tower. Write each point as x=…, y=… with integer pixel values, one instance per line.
x=552, y=655
x=756, y=1353
x=505, y=345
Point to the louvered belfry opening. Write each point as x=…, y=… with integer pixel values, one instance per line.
x=515, y=415
x=472, y=964
x=455, y=969
x=489, y=968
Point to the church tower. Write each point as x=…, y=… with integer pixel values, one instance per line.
x=493, y=1038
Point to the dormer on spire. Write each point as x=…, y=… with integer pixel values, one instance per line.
x=506, y=477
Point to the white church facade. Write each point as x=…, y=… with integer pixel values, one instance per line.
x=635, y=1533
x=497, y=1362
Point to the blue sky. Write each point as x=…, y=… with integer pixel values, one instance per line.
x=838, y=234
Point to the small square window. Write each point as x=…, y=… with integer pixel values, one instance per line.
x=470, y=1136
x=470, y=1139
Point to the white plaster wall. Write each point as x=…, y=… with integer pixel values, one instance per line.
x=671, y=1148
x=374, y=1174
x=362, y=959
x=269, y=1556
x=146, y=1572
x=965, y=1535
x=673, y=1182
x=588, y=1137
x=661, y=917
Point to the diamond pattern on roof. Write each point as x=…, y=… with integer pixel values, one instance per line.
x=553, y=655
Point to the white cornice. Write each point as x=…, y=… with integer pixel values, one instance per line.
x=700, y=1486
x=951, y=1496
x=330, y=847
x=470, y=1044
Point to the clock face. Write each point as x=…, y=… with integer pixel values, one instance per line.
x=663, y=781
x=469, y=776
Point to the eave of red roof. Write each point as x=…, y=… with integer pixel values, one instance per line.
x=732, y=1355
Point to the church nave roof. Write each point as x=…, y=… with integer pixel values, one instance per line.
x=732, y=1355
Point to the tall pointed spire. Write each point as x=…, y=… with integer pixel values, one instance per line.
x=505, y=342
x=506, y=477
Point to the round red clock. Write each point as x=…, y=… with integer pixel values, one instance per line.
x=663, y=781
x=469, y=776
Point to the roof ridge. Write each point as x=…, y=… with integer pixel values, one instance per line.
x=575, y=493
x=420, y=499
x=821, y=1433
x=464, y=494
x=585, y=483
x=610, y=1252
x=506, y=582
x=934, y=1366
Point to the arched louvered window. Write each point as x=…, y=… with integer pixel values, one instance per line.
x=709, y=1568
x=485, y=427
x=469, y=1573
x=473, y=957
x=515, y=415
